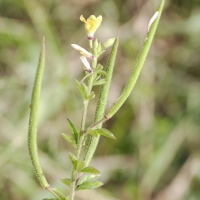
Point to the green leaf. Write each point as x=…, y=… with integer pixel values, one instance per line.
x=69, y=139
x=101, y=52
x=89, y=185
x=102, y=72
x=105, y=132
x=90, y=96
x=90, y=170
x=59, y=193
x=66, y=181
x=96, y=77
x=73, y=159
x=99, y=67
x=100, y=82
x=78, y=84
x=92, y=132
x=99, y=47
x=80, y=165
x=73, y=130
x=87, y=178
x=82, y=87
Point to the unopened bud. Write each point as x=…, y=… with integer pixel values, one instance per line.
x=85, y=64
x=109, y=42
x=82, y=51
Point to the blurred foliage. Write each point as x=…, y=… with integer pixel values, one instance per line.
x=156, y=155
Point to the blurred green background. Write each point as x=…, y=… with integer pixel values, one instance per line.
x=156, y=155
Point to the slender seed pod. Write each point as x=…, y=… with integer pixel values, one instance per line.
x=102, y=101
x=152, y=26
x=32, y=132
x=139, y=62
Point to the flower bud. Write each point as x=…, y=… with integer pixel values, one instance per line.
x=82, y=51
x=109, y=42
x=85, y=64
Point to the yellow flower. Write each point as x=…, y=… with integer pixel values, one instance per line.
x=91, y=25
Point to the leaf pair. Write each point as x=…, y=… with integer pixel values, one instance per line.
x=83, y=88
x=80, y=165
x=101, y=131
x=74, y=139
x=86, y=182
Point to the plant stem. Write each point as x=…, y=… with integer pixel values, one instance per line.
x=102, y=102
x=86, y=76
x=83, y=119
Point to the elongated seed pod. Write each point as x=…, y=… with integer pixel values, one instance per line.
x=139, y=62
x=102, y=101
x=32, y=132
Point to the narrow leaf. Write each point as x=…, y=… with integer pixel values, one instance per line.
x=80, y=165
x=73, y=159
x=96, y=77
x=66, y=181
x=99, y=67
x=105, y=132
x=92, y=132
x=89, y=185
x=100, y=82
x=69, y=139
x=82, y=88
x=101, y=52
x=90, y=96
x=88, y=177
x=102, y=72
x=59, y=193
x=90, y=170
x=72, y=130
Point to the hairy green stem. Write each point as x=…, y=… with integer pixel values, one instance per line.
x=102, y=101
x=81, y=138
